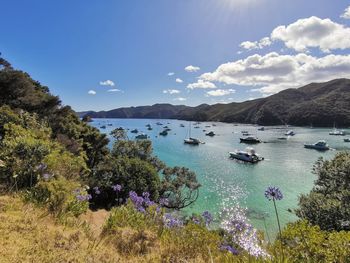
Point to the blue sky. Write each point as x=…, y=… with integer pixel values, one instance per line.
x=75, y=46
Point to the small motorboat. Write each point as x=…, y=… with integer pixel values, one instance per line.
x=290, y=133
x=159, y=123
x=320, y=146
x=214, y=124
x=248, y=155
x=244, y=132
x=165, y=127
x=192, y=141
x=134, y=131
x=207, y=126
x=142, y=136
x=182, y=125
x=164, y=133
x=347, y=140
x=148, y=125
x=149, y=128
x=196, y=127
x=261, y=129
x=211, y=134
x=103, y=127
x=250, y=139
x=336, y=132
x=110, y=124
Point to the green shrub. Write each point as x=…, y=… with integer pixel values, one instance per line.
x=60, y=197
x=304, y=242
x=328, y=203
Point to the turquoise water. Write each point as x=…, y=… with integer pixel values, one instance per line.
x=228, y=183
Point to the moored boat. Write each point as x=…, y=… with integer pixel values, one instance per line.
x=290, y=133
x=249, y=155
x=134, y=131
x=347, y=140
x=141, y=136
x=320, y=145
x=192, y=141
x=250, y=139
x=163, y=133
x=211, y=134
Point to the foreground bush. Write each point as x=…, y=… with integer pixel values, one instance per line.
x=328, y=203
x=61, y=197
x=304, y=242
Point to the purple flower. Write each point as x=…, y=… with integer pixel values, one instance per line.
x=273, y=193
x=41, y=167
x=47, y=176
x=117, y=187
x=196, y=220
x=97, y=190
x=208, y=218
x=229, y=249
x=163, y=202
x=171, y=222
x=76, y=191
x=80, y=198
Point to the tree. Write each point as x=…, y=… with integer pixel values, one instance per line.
x=328, y=203
x=180, y=187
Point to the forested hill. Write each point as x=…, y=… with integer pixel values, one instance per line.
x=319, y=104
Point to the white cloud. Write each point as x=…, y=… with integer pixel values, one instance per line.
x=171, y=91
x=264, y=42
x=180, y=99
x=178, y=80
x=92, y=92
x=113, y=90
x=220, y=92
x=171, y=74
x=107, y=83
x=192, y=68
x=201, y=84
x=346, y=14
x=313, y=32
x=273, y=72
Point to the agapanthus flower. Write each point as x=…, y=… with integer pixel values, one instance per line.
x=273, y=193
x=163, y=201
x=208, y=218
x=117, y=187
x=41, y=167
x=47, y=176
x=96, y=190
x=171, y=222
x=229, y=249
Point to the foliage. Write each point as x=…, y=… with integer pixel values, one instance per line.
x=133, y=174
x=307, y=243
x=180, y=187
x=328, y=203
x=60, y=197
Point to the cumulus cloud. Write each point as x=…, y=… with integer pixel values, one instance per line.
x=264, y=42
x=171, y=74
x=178, y=80
x=273, y=72
x=201, y=84
x=114, y=90
x=180, y=99
x=107, y=83
x=346, y=13
x=191, y=68
x=171, y=91
x=92, y=92
x=313, y=32
x=220, y=92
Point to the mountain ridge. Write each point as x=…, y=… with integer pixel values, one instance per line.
x=319, y=104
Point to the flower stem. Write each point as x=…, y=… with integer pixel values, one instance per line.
x=279, y=227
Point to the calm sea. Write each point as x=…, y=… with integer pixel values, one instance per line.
x=228, y=183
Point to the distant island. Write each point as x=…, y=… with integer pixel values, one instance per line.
x=316, y=104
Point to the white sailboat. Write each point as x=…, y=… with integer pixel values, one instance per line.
x=190, y=140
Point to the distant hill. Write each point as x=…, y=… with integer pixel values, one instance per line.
x=319, y=104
